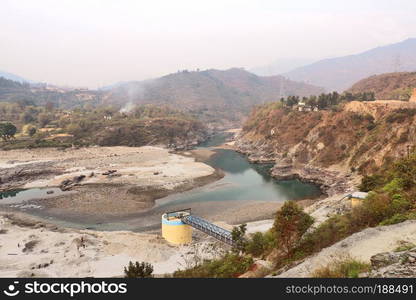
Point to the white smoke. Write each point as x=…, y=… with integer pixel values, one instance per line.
x=135, y=93
x=127, y=108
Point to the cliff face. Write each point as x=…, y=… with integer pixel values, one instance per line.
x=327, y=146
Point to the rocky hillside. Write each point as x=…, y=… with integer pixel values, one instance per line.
x=340, y=73
x=211, y=94
x=390, y=86
x=311, y=144
x=105, y=126
x=39, y=95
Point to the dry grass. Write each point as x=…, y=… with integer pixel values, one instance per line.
x=346, y=267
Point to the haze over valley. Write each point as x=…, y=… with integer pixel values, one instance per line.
x=221, y=139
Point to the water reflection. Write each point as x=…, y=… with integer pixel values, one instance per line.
x=244, y=181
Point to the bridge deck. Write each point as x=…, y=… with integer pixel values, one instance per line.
x=209, y=228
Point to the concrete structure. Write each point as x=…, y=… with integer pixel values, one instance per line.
x=174, y=230
x=303, y=107
x=357, y=198
x=413, y=98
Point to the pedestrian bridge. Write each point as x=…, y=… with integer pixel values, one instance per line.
x=186, y=218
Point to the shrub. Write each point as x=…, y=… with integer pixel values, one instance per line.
x=369, y=183
x=260, y=243
x=371, y=126
x=395, y=219
x=398, y=218
x=394, y=186
x=347, y=268
x=138, y=270
x=400, y=115
x=404, y=246
x=239, y=242
x=230, y=266
x=7, y=131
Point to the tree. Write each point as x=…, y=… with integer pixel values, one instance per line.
x=138, y=270
x=26, y=117
x=32, y=131
x=7, y=131
x=237, y=234
x=323, y=101
x=289, y=225
x=44, y=119
x=292, y=100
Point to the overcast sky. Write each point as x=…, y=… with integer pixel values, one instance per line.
x=98, y=42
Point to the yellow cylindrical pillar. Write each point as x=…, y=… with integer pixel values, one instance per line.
x=356, y=202
x=175, y=231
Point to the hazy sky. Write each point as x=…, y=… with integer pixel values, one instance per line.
x=98, y=42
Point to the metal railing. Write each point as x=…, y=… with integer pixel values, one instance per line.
x=209, y=228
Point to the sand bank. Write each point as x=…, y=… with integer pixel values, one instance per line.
x=30, y=248
x=115, y=180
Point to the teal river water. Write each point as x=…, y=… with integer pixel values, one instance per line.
x=243, y=182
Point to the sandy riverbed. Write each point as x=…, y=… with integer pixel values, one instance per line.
x=141, y=175
x=31, y=248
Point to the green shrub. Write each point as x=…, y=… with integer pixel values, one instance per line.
x=239, y=241
x=404, y=247
x=398, y=218
x=371, y=182
x=230, y=266
x=395, y=219
x=394, y=186
x=138, y=270
x=348, y=268
x=260, y=243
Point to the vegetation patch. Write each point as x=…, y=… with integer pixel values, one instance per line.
x=231, y=265
x=342, y=268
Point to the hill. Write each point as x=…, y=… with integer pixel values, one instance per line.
x=39, y=126
x=212, y=94
x=27, y=94
x=342, y=72
x=14, y=77
x=390, y=86
x=361, y=136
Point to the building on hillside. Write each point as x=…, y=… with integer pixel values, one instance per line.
x=357, y=198
x=304, y=107
x=413, y=97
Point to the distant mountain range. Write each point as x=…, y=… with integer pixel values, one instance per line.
x=281, y=66
x=342, y=72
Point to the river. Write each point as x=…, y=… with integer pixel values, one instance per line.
x=243, y=183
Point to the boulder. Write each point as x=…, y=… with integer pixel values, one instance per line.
x=394, y=264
